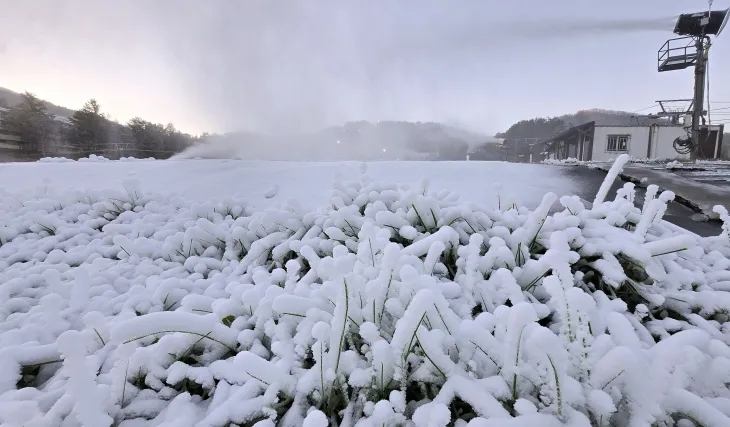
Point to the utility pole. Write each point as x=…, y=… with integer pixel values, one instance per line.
x=678, y=54
x=703, y=44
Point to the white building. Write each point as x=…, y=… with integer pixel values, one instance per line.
x=591, y=142
x=10, y=142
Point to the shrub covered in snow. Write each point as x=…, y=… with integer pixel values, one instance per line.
x=394, y=306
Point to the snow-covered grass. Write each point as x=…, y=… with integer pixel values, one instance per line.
x=668, y=163
x=574, y=161
x=389, y=306
x=92, y=158
x=568, y=161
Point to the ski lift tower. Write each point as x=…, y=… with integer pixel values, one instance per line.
x=690, y=50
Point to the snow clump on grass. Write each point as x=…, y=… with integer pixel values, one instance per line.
x=393, y=306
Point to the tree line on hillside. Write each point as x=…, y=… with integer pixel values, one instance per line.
x=88, y=131
x=524, y=138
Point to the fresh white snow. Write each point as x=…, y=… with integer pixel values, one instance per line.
x=266, y=183
x=268, y=294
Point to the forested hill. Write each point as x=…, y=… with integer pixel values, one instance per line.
x=8, y=98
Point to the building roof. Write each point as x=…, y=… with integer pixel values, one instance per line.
x=630, y=125
x=569, y=133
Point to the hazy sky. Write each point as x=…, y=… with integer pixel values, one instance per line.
x=282, y=66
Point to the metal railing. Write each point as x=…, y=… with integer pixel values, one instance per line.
x=679, y=48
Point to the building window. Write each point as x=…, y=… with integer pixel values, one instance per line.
x=617, y=143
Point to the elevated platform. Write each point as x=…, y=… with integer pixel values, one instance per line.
x=679, y=62
x=677, y=54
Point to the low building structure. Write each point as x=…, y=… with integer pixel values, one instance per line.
x=10, y=142
x=592, y=142
x=14, y=149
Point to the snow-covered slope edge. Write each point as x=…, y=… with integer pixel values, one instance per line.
x=392, y=306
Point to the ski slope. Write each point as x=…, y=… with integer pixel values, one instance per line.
x=307, y=182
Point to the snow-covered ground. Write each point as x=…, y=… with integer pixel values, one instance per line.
x=363, y=304
x=265, y=183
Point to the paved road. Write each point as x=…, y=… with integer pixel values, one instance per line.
x=715, y=173
x=589, y=180
x=695, y=192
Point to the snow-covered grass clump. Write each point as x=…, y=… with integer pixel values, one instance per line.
x=652, y=161
x=674, y=164
x=55, y=160
x=636, y=160
x=568, y=161
x=91, y=158
x=393, y=306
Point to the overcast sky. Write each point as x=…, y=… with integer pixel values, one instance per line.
x=274, y=65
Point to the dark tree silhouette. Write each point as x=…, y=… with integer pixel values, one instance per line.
x=89, y=129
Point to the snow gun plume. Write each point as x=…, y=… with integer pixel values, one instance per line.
x=220, y=149
x=571, y=28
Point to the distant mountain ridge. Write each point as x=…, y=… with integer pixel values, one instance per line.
x=604, y=117
x=12, y=97
x=361, y=140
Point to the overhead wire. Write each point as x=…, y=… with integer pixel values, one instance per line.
x=644, y=109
